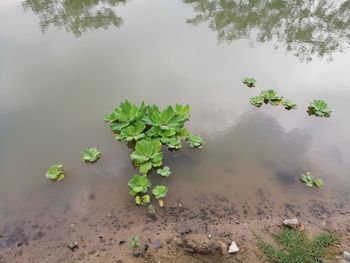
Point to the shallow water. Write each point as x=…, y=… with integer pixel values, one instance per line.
x=63, y=67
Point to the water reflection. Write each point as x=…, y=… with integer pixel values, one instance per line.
x=76, y=16
x=305, y=28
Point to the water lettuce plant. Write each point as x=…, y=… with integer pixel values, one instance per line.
x=165, y=171
x=319, y=108
x=249, y=82
x=310, y=181
x=160, y=191
x=138, y=184
x=55, y=173
x=257, y=101
x=147, y=154
x=271, y=96
x=90, y=155
x=289, y=105
x=149, y=128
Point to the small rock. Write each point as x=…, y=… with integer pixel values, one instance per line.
x=121, y=242
x=346, y=256
x=210, y=236
x=293, y=223
x=136, y=254
x=233, y=248
x=73, y=245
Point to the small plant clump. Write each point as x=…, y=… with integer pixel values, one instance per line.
x=310, y=181
x=296, y=247
x=134, y=242
x=150, y=128
x=249, y=82
x=319, y=108
x=271, y=97
x=55, y=173
x=90, y=155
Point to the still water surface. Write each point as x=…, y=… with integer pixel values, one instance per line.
x=65, y=64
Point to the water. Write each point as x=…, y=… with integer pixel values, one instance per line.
x=63, y=67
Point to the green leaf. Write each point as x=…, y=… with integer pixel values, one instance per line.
x=144, y=200
x=271, y=96
x=289, y=105
x=318, y=182
x=138, y=184
x=165, y=171
x=319, y=108
x=160, y=191
x=256, y=101
x=195, y=141
x=90, y=155
x=172, y=143
x=55, y=173
x=249, y=82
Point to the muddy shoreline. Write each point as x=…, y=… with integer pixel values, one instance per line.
x=166, y=237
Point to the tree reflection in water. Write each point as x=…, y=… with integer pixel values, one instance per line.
x=76, y=16
x=307, y=28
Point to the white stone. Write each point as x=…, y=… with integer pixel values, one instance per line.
x=346, y=256
x=291, y=222
x=233, y=248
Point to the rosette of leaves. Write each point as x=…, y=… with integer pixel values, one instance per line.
x=147, y=155
x=319, y=108
x=133, y=132
x=125, y=115
x=172, y=143
x=289, y=105
x=168, y=119
x=165, y=171
x=310, y=181
x=90, y=155
x=142, y=200
x=138, y=184
x=271, y=96
x=55, y=173
x=249, y=82
x=160, y=191
x=183, y=111
x=195, y=141
x=257, y=101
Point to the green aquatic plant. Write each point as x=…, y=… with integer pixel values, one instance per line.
x=147, y=155
x=138, y=184
x=295, y=247
x=271, y=96
x=195, y=141
x=125, y=115
x=143, y=200
x=257, y=101
x=289, y=105
x=310, y=181
x=319, y=108
x=249, y=82
x=55, y=173
x=160, y=191
x=165, y=171
x=90, y=155
x=132, y=133
x=147, y=129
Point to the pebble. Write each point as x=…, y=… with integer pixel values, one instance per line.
x=73, y=245
x=291, y=222
x=233, y=248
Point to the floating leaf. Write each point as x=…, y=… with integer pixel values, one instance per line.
x=138, y=184
x=195, y=141
x=271, y=96
x=249, y=82
x=165, y=171
x=257, y=101
x=160, y=191
x=318, y=182
x=319, y=108
x=144, y=200
x=90, y=155
x=289, y=105
x=55, y=173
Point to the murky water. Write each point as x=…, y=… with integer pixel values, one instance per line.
x=65, y=64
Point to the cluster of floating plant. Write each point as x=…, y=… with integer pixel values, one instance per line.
x=318, y=108
x=148, y=128
x=310, y=181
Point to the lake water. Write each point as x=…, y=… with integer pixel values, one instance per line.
x=65, y=64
